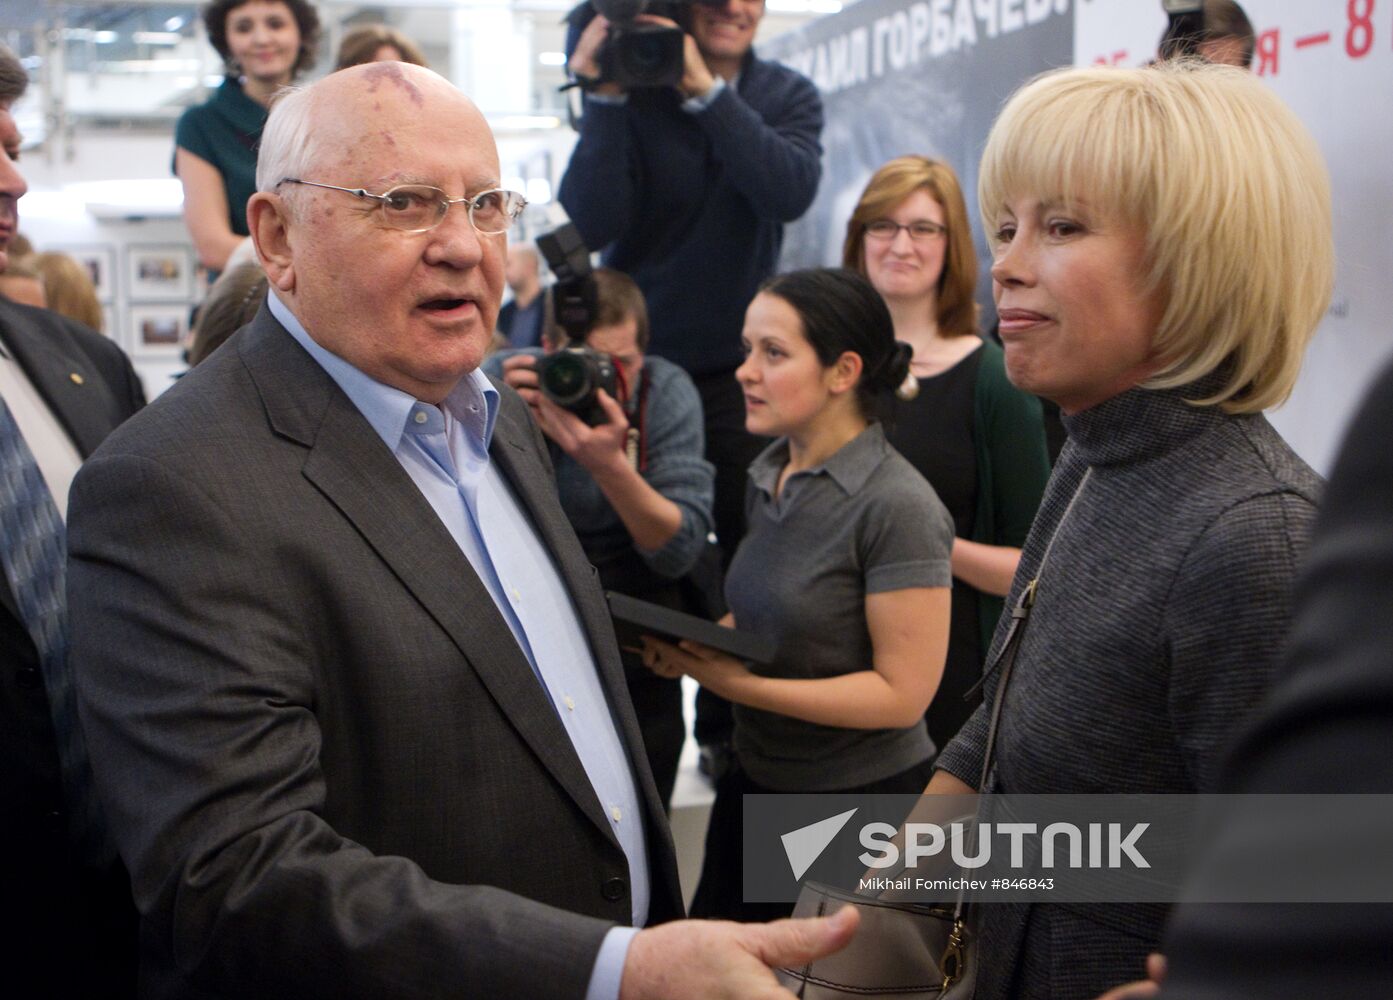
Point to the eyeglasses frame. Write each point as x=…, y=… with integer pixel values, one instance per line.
x=940, y=230
x=381, y=200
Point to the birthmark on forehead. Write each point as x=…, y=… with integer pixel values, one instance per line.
x=391, y=73
x=386, y=136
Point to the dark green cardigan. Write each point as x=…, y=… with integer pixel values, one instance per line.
x=1013, y=466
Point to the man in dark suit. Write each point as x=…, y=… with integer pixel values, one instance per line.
x=354, y=700
x=63, y=388
x=1327, y=727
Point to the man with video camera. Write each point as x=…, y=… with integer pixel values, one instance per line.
x=685, y=182
x=626, y=442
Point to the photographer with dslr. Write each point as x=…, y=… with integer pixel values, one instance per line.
x=630, y=474
x=686, y=188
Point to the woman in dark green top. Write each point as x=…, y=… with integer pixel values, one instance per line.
x=976, y=438
x=265, y=44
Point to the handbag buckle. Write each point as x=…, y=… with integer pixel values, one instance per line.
x=952, y=961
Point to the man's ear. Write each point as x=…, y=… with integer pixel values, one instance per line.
x=268, y=219
x=846, y=372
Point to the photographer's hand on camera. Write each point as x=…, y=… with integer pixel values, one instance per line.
x=697, y=78
x=599, y=449
x=584, y=63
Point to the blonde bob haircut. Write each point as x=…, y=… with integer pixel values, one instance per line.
x=1228, y=187
x=892, y=184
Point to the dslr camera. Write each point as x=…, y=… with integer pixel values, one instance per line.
x=636, y=55
x=571, y=376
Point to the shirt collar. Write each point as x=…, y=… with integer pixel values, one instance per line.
x=849, y=466
x=386, y=408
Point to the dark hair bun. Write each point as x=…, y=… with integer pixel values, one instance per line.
x=896, y=367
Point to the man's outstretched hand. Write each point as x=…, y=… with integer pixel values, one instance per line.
x=718, y=960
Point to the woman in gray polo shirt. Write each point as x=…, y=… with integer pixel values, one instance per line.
x=846, y=564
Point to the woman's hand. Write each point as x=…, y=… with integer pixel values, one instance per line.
x=718, y=673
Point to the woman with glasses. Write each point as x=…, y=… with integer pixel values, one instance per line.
x=265, y=44
x=969, y=432
x=845, y=565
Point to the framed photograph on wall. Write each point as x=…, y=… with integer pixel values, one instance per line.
x=155, y=331
x=159, y=273
x=100, y=264
x=109, y=327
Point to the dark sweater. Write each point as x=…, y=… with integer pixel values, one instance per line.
x=1156, y=630
x=692, y=206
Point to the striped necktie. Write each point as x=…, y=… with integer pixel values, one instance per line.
x=34, y=555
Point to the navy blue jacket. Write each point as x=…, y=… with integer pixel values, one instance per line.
x=692, y=206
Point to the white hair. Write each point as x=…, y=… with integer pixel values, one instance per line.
x=287, y=141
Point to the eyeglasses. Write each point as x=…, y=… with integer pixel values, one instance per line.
x=419, y=208
x=920, y=231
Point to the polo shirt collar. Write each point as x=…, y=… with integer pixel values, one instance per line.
x=849, y=466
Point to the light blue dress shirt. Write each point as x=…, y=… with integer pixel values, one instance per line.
x=444, y=449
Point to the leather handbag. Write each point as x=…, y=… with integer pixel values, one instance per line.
x=909, y=951
x=904, y=950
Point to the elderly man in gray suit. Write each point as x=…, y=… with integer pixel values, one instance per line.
x=353, y=699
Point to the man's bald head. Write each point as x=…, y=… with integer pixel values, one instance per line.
x=333, y=115
x=411, y=307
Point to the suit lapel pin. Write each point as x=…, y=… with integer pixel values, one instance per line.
x=77, y=379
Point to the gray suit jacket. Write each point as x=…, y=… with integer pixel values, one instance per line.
x=329, y=767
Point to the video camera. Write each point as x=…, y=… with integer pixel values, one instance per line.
x=1185, y=30
x=571, y=376
x=636, y=55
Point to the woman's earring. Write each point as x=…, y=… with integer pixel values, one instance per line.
x=909, y=388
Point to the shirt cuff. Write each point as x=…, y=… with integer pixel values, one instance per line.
x=609, y=100
x=694, y=105
x=609, y=964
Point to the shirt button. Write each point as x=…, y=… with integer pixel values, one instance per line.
x=617, y=813
x=420, y=417
x=570, y=703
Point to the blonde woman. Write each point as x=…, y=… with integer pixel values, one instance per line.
x=1162, y=254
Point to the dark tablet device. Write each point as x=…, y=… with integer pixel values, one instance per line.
x=634, y=619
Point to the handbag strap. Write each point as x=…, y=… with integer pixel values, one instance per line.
x=1006, y=659
x=1015, y=634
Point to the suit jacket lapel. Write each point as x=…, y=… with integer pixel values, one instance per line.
x=81, y=404
x=351, y=466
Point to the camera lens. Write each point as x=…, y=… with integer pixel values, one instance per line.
x=645, y=56
x=566, y=377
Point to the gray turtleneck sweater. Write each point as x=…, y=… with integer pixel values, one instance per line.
x=1157, y=626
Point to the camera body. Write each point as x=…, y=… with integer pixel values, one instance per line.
x=572, y=376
